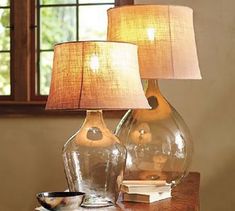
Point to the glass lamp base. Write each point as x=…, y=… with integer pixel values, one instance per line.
x=94, y=201
x=158, y=142
x=94, y=162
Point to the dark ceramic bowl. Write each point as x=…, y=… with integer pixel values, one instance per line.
x=60, y=200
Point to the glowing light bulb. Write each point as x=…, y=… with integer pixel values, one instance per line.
x=94, y=63
x=151, y=34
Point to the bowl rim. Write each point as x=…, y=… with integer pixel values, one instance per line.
x=59, y=194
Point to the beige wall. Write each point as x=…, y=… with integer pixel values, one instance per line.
x=208, y=105
x=30, y=158
x=30, y=147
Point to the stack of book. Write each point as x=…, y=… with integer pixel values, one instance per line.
x=145, y=191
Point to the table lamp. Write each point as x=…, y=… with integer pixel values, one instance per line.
x=95, y=76
x=158, y=141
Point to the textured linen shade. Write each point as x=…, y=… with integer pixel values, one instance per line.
x=96, y=75
x=164, y=35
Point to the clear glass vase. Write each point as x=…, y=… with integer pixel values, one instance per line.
x=94, y=162
x=158, y=142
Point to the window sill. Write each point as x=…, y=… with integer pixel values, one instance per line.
x=34, y=108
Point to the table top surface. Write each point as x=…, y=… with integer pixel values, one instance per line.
x=185, y=197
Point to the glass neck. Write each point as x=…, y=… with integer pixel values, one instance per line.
x=94, y=132
x=94, y=117
x=152, y=88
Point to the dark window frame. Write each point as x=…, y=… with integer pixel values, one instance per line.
x=23, y=99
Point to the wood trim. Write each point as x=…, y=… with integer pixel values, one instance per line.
x=21, y=50
x=12, y=73
x=33, y=49
x=7, y=97
x=36, y=108
x=124, y=2
x=33, y=55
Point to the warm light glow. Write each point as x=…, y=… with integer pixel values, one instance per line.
x=115, y=152
x=179, y=141
x=129, y=161
x=96, y=75
x=151, y=34
x=164, y=35
x=181, y=146
x=141, y=134
x=94, y=63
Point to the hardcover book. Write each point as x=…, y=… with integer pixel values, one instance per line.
x=146, y=197
x=145, y=188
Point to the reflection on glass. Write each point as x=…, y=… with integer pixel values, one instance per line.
x=158, y=142
x=93, y=22
x=43, y=2
x=4, y=32
x=95, y=1
x=58, y=24
x=5, y=88
x=45, y=72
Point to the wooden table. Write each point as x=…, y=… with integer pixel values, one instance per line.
x=185, y=197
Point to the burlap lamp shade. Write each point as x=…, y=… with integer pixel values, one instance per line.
x=96, y=75
x=164, y=35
